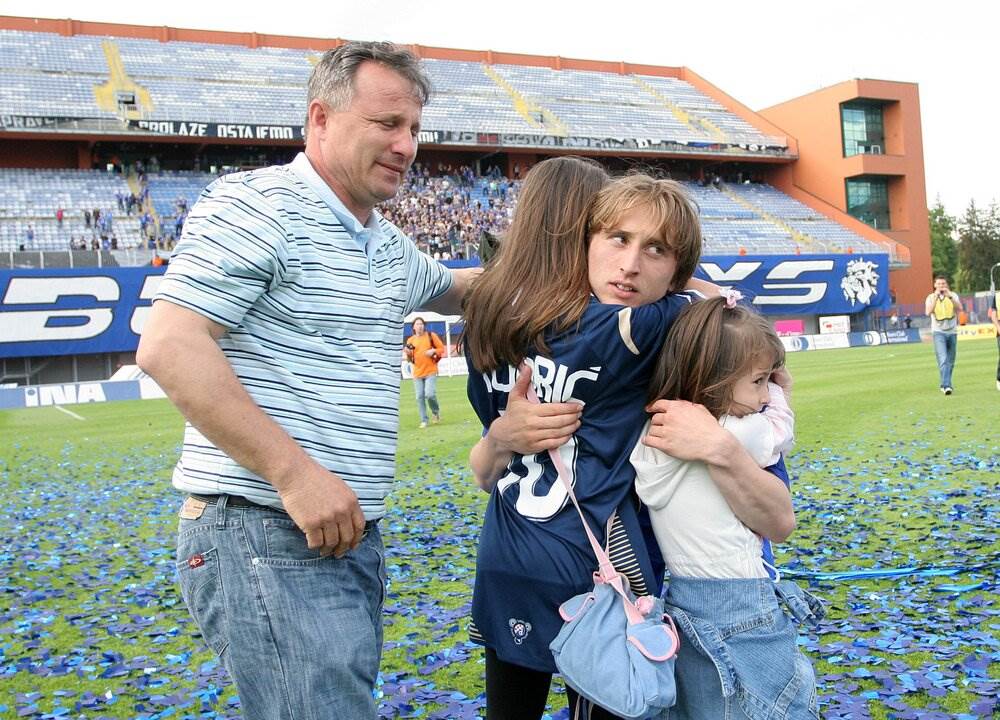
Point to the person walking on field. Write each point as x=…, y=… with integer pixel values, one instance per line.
x=942, y=307
x=270, y=333
x=424, y=349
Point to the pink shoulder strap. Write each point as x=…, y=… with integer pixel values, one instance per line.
x=606, y=572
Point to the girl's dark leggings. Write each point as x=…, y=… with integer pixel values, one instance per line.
x=514, y=692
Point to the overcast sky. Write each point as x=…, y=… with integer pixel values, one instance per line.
x=761, y=53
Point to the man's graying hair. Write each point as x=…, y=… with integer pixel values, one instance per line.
x=332, y=80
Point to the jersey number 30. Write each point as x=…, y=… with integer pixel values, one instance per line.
x=534, y=506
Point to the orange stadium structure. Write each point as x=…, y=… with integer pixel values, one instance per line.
x=832, y=167
x=839, y=170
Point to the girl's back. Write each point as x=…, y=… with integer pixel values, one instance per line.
x=529, y=547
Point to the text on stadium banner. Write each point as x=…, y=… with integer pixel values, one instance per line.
x=96, y=310
x=832, y=341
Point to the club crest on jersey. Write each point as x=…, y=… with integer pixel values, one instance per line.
x=519, y=629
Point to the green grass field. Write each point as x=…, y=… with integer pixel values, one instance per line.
x=888, y=474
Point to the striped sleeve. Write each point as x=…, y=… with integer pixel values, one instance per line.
x=426, y=278
x=233, y=249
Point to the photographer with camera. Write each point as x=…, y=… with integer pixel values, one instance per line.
x=942, y=307
x=424, y=349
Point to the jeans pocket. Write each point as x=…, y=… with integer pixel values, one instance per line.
x=285, y=545
x=201, y=588
x=781, y=685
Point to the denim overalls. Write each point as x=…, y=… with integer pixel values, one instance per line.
x=742, y=634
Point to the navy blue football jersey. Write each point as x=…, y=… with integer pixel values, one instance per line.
x=533, y=552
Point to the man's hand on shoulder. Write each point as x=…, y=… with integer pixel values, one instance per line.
x=676, y=422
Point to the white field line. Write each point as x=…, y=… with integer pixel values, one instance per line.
x=72, y=414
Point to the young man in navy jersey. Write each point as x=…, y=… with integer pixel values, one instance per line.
x=644, y=242
x=275, y=332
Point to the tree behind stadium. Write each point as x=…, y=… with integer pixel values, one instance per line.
x=978, y=247
x=944, y=252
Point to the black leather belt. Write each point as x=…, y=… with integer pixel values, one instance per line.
x=241, y=502
x=234, y=501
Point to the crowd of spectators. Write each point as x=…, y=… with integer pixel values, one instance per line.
x=446, y=212
x=100, y=227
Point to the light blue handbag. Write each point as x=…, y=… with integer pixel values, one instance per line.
x=615, y=650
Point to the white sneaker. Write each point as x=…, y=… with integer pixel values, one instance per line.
x=947, y=390
x=423, y=424
x=998, y=384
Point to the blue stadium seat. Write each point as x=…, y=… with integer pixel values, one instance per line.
x=31, y=197
x=51, y=75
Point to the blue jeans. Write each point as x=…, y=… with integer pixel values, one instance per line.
x=300, y=635
x=944, y=349
x=739, y=656
x=426, y=389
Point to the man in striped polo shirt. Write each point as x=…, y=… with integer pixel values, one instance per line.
x=276, y=332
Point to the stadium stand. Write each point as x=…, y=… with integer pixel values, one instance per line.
x=703, y=111
x=47, y=52
x=730, y=227
x=443, y=214
x=170, y=189
x=24, y=93
x=42, y=73
x=201, y=61
x=801, y=219
x=49, y=75
x=30, y=200
x=593, y=104
x=46, y=74
x=466, y=100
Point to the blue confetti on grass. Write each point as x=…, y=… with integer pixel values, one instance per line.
x=92, y=616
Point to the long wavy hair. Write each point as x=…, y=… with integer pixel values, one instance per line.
x=538, y=279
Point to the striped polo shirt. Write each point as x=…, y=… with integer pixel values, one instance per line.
x=314, y=303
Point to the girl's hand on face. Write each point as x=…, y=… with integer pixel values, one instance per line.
x=783, y=379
